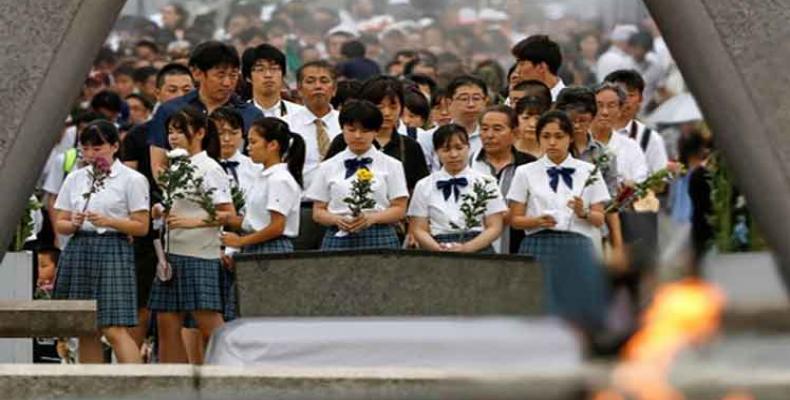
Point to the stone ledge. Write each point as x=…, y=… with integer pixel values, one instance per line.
x=46, y=318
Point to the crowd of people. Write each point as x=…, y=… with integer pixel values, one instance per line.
x=308, y=129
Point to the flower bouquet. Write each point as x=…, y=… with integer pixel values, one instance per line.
x=629, y=194
x=361, y=195
x=473, y=206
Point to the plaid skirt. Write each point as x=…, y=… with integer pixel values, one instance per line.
x=375, y=237
x=100, y=267
x=463, y=238
x=575, y=284
x=282, y=244
x=195, y=285
x=228, y=279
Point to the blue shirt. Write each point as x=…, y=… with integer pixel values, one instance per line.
x=157, y=131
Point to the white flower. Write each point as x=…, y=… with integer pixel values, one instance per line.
x=177, y=153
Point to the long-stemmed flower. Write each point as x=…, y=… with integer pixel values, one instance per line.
x=99, y=171
x=474, y=205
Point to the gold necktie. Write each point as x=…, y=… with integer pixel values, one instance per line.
x=322, y=137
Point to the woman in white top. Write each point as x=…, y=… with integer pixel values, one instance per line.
x=552, y=201
x=373, y=227
x=436, y=220
x=98, y=262
x=194, y=241
x=273, y=201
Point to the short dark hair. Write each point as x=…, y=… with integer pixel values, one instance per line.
x=361, y=112
x=250, y=33
x=265, y=52
x=212, y=54
x=142, y=99
x=347, y=89
x=123, y=69
x=405, y=53
x=148, y=43
x=532, y=104
x=641, y=39
x=321, y=64
x=439, y=95
x=409, y=67
x=577, y=98
x=108, y=100
x=143, y=73
x=381, y=87
x=534, y=88
x=353, y=49
x=465, y=80
x=420, y=79
x=228, y=115
x=630, y=78
x=512, y=117
x=417, y=103
x=445, y=133
x=539, y=49
x=560, y=117
x=99, y=132
x=171, y=69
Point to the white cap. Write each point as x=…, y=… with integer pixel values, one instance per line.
x=621, y=33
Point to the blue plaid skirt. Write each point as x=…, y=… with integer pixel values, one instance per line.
x=375, y=237
x=196, y=285
x=463, y=238
x=100, y=267
x=575, y=284
x=228, y=279
x=281, y=244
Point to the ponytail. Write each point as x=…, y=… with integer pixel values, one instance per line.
x=211, y=140
x=292, y=146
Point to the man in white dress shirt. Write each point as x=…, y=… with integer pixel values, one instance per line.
x=616, y=57
x=264, y=68
x=468, y=99
x=651, y=142
x=631, y=163
x=539, y=58
x=317, y=122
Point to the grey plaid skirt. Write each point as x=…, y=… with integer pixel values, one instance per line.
x=575, y=284
x=375, y=237
x=100, y=267
x=196, y=285
x=463, y=238
x=281, y=244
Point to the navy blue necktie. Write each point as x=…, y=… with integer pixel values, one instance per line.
x=230, y=168
x=453, y=186
x=554, y=177
x=353, y=164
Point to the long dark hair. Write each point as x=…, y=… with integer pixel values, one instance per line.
x=292, y=147
x=189, y=120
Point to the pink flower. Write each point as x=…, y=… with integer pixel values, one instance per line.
x=100, y=164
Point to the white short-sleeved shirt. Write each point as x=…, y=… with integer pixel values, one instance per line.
x=655, y=152
x=247, y=171
x=303, y=123
x=631, y=162
x=201, y=242
x=125, y=191
x=274, y=189
x=531, y=187
x=331, y=185
x=428, y=201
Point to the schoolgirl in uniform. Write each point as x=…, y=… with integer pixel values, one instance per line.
x=373, y=228
x=548, y=200
x=194, y=241
x=437, y=199
x=273, y=200
x=98, y=262
x=241, y=171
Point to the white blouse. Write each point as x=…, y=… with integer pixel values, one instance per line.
x=273, y=190
x=531, y=187
x=428, y=201
x=125, y=191
x=201, y=242
x=331, y=186
x=247, y=171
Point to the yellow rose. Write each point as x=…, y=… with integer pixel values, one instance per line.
x=364, y=175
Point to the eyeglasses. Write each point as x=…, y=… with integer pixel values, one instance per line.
x=265, y=68
x=467, y=98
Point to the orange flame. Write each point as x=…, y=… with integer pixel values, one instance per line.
x=682, y=314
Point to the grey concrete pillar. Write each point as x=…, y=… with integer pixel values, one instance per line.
x=735, y=57
x=47, y=49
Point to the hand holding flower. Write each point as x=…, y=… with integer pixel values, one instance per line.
x=231, y=239
x=100, y=220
